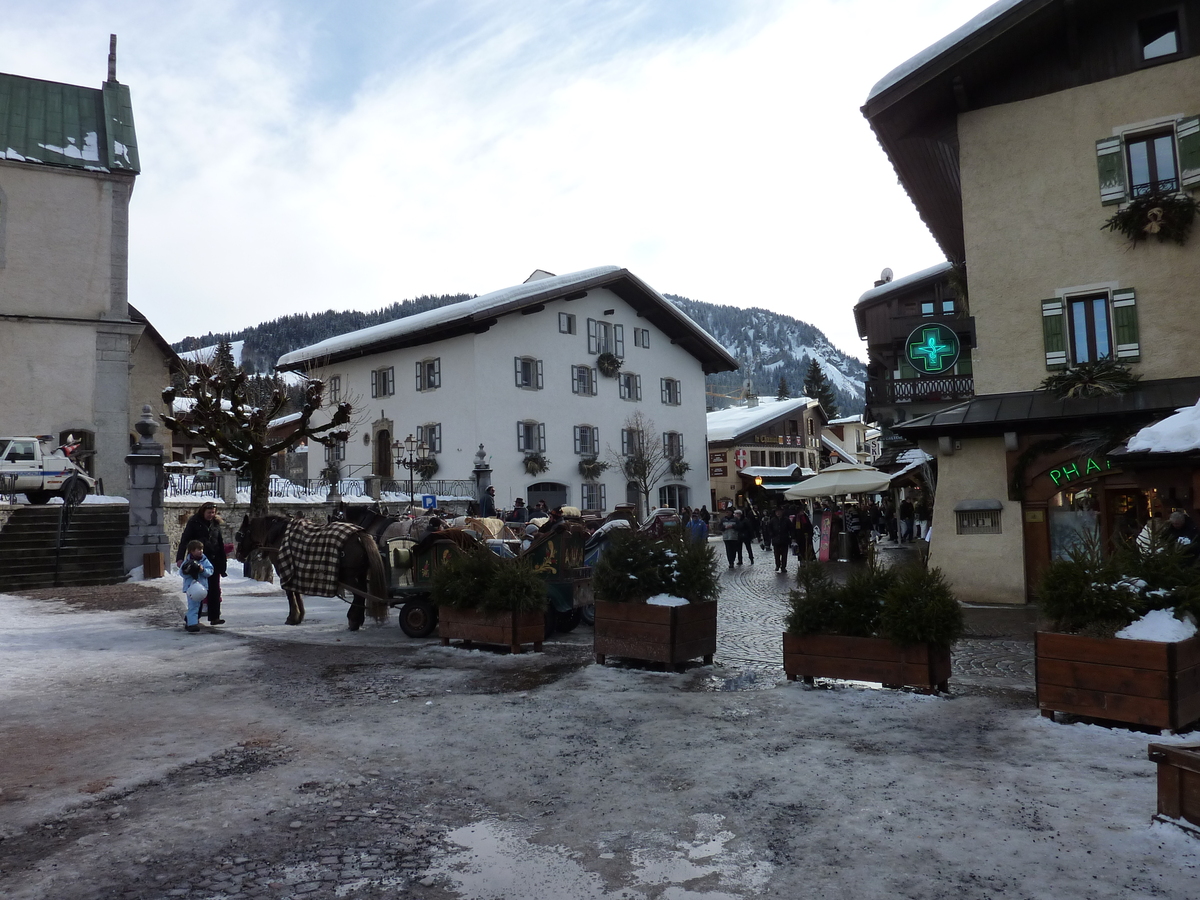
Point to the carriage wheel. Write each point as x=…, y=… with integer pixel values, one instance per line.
x=418, y=618
x=589, y=613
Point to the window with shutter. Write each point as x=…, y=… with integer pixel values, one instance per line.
x=420, y=377
x=539, y=374
x=1054, y=334
x=541, y=437
x=1187, y=133
x=374, y=382
x=1125, y=325
x=593, y=336
x=578, y=436
x=1110, y=161
x=522, y=433
x=619, y=340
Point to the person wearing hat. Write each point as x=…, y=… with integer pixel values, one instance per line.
x=696, y=529
x=487, y=503
x=205, y=527
x=519, y=513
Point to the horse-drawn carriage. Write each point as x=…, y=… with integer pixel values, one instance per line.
x=385, y=561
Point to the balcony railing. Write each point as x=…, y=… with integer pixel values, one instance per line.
x=920, y=390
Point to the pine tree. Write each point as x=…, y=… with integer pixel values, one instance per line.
x=783, y=392
x=817, y=386
x=222, y=362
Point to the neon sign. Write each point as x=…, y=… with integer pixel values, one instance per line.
x=1065, y=474
x=932, y=349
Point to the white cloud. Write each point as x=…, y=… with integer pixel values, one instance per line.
x=722, y=158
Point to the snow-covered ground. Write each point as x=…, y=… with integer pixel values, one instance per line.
x=532, y=776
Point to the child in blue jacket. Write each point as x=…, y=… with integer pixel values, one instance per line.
x=195, y=569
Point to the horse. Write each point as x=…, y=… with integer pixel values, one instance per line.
x=320, y=560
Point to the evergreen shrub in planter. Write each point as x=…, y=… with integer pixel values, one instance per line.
x=637, y=567
x=1082, y=669
x=484, y=599
x=894, y=626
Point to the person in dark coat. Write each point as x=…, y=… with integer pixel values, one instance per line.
x=519, y=513
x=205, y=527
x=777, y=531
x=747, y=531
x=487, y=503
x=1183, y=534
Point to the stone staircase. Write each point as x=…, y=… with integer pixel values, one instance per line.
x=91, y=552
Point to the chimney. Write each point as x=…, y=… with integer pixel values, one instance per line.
x=112, y=57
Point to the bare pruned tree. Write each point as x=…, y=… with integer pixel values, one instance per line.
x=641, y=458
x=235, y=426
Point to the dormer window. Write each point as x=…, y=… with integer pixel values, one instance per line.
x=1159, y=36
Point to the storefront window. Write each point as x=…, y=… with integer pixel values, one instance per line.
x=1074, y=520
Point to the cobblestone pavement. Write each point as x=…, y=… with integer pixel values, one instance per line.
x=750, y=623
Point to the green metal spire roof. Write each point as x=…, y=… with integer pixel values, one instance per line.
x=54, y=124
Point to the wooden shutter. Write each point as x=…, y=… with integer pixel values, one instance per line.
x=1187, y=132
x=575, y=379
x=517, y=371
x=1125, y=325
x=595, y=439
x=578, y=439
x=374, y=382
x=541, y=438
x=663, y=390
x=420, y=376
x=539, y=374
x=521, y=437
x=1110, y=161
x=594, y=381
x=637, y=387
x=1054, y=334
x=391, y=380
x=436, y=375
x=592, y=341
x=619, y=340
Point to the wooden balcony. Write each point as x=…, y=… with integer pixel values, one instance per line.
x=947, y=389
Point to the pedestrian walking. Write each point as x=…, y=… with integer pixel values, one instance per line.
x=731, y=536
x=696, y=529
x=778, y=531
x=748, y=530
x=196, y=571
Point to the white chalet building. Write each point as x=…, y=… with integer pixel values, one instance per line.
x=516, y=370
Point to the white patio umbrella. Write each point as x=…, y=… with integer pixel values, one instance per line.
x=843, y=478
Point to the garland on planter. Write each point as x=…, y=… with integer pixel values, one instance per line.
x=592, y=468
x=536, y=463
x=1161, y=215
x=1103, y=377
x=427, y=468
x=608, y=364
x=679, y=467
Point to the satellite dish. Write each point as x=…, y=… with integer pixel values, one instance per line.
x=886, y=275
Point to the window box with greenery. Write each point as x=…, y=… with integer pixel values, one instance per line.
x=487, y=600
x=894, y=626
x=591, y=468
x=1084, y=669
x=656, y=599
x=536, y=463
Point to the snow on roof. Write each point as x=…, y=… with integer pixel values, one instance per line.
x=771, y=471
x=933, y=51
x=462, y=310
x=837, y=448
x=847, y=420
x=284, y=420
x=1179, y=433
x=911, y=459
x=905, y=281
x=727, y=424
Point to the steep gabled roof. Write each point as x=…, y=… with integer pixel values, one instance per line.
x=53, y=124
x=479, y=314
x=733, y=423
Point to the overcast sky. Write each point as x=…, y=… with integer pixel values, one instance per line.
x=301, y=156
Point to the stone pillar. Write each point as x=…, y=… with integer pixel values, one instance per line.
x=146, y=481
x=227, y=488
x=373, y=485
x=483, y=476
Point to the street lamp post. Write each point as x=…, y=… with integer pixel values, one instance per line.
x=410, y=453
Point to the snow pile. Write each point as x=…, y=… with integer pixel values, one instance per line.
x=1175, y=434
x=665, y=600
x=1159, y=625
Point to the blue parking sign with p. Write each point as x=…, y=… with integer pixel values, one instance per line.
x=428, y=501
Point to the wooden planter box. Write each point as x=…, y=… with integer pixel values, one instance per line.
x=1178, y=782
x=866, y=659
x=665, y=634
x=1136, y=682
x=511, y=629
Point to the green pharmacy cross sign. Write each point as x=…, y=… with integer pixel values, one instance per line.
x=932, y=349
